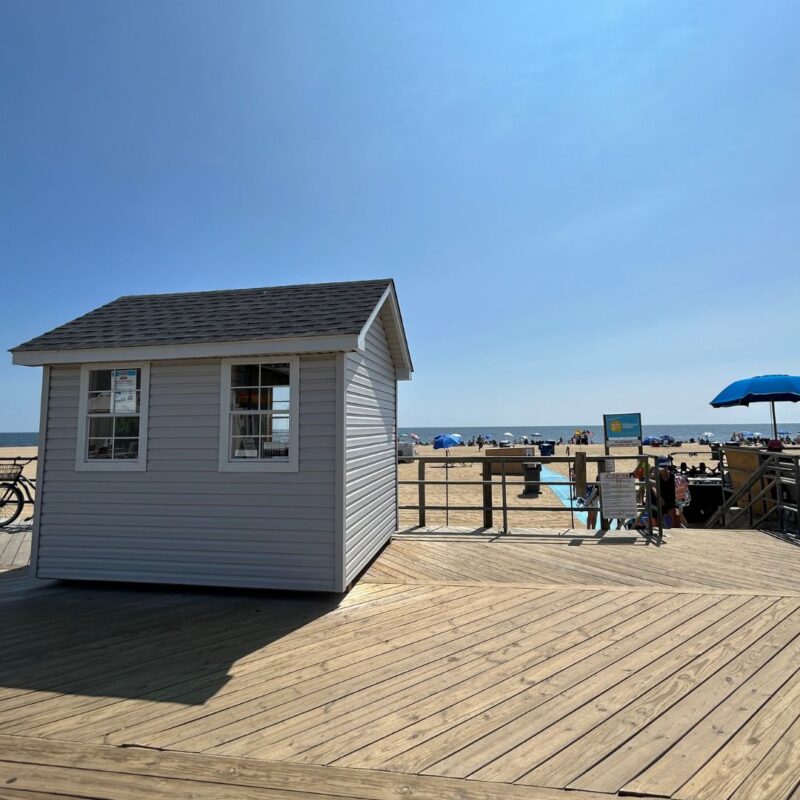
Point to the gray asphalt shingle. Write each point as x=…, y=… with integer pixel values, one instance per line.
x=278, y=312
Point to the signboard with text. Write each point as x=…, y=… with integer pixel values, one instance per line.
x=622, y=430
x=617, y=495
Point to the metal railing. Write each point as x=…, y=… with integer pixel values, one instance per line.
x=647, y=487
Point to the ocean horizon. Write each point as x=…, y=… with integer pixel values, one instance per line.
x=683, y=431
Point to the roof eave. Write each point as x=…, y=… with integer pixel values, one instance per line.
x=164, y=352
x=403, y=364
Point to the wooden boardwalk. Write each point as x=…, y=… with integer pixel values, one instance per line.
x=15, y=546
x=461, y=665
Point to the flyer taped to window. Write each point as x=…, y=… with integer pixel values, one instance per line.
x=124, y=388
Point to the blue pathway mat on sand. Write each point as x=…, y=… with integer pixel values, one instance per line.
x=562, y=492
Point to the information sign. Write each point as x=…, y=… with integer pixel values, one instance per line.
x=622, y=430
x=617, y=495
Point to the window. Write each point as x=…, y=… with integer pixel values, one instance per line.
x=112, y=428
x=258, y=421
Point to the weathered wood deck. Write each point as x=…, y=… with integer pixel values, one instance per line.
x=15, y=546
x=461, y=665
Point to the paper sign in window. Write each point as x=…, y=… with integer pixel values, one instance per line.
x=124, y=387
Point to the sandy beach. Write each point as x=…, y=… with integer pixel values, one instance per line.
x=25, y=452
x=471, y=495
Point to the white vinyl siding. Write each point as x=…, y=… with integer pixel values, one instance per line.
x=370, y=450
x=184, y=521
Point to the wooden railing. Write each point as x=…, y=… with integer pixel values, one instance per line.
x=495, y=471
x=768, y=497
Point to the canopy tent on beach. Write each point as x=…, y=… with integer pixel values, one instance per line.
x=760, y=389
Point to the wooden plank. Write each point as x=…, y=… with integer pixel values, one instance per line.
x=688, y=753
x=436, y=712
x=680, y=712
x=210, y=672
x=629, y=740
x=470, y=745
x=442, y=652
x=228, y=710
x=216, y=772
x=376, y=720
x=727, y=770
x=529, y=737
x=777, y=776
x=423, y=743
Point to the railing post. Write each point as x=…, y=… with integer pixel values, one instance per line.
x=796, y=495
x=505, y=502
x=657, y=475
x=421, y=490
x=488, y=495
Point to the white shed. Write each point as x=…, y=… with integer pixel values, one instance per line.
x=227, y=438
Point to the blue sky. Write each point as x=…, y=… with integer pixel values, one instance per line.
x=587, y=206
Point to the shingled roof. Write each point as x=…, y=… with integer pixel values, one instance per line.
x=277, y=312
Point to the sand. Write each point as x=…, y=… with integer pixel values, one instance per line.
x=25, y=452
x=472, y=495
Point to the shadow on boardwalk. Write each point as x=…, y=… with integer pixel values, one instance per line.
x=175, y=645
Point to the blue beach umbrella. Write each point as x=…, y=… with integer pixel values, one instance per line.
x=444, y=441
x=760, y=389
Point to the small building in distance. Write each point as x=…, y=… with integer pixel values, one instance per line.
x=242, y=438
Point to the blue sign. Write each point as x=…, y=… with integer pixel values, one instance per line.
x=623, y=429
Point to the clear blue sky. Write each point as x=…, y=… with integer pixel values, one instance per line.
x=587, y=206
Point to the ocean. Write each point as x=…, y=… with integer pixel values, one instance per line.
x=19, y=439
x=720, y=433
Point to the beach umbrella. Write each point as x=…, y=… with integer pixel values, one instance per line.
x=760, y=389
x=508, y=433
x=708, y=434
x=414, y=436
x=444, y=441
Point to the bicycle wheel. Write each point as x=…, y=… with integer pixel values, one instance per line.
x=10, y=503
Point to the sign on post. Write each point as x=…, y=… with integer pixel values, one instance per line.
x=617, y=495
x=622, y=430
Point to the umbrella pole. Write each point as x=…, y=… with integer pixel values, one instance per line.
x=447, y=488
x=774, y=421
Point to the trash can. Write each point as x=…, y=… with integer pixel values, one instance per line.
x=547, y=448
x=533, y=474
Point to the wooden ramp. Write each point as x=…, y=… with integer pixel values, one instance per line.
x=514, y=667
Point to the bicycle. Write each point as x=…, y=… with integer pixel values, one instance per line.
x=16, y=490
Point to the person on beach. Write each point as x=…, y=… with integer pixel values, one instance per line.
x=480, y=443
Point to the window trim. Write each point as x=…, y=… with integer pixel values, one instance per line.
x=85, y=464
x=226, y=464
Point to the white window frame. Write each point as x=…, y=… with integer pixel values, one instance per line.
x=226, y=463
x=82, y=462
